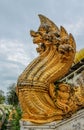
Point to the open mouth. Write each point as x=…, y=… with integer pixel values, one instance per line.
x=36, y=40
x=36, y=36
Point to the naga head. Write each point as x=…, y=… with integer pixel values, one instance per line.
x=48, y=34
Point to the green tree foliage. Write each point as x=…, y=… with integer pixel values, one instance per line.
x=2, y=97
x=12, y=96
x=4, y=126
x=16, y=118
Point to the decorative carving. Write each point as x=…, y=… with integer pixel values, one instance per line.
x=40, y=101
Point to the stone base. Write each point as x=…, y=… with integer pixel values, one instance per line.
x=76, y=122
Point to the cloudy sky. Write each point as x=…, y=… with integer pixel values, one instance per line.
x=18, y=17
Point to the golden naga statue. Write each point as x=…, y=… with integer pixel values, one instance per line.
x=40, y=101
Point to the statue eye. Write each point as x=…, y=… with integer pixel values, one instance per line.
x=57, y=44
x=57, y=35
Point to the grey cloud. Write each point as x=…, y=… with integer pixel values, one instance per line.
x=17, y=17
x=21, y=16
x=14, y=57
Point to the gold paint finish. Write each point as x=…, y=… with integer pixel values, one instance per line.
x=39, y=100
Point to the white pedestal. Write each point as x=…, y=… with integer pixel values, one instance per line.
x=76, y=122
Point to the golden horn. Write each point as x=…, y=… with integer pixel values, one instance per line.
x=45, y=20
x=63, y=32
x=72, y=41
